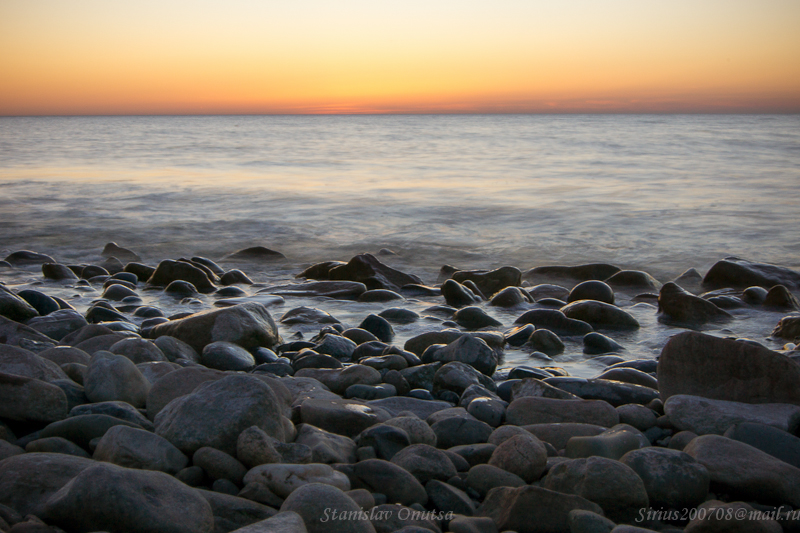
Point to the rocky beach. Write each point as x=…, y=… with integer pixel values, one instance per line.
x=253, y=393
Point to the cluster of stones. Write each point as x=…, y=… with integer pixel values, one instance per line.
x=211, y=422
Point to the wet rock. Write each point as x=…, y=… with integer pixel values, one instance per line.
x=27, y=257
x=673, y=479
x=150, y=501
x=489, y=410
x=779, y=297
x=28, y=399
x=545, y=341
x=511, y=508
x=595, y=343
x=219, y=465
x=510, y=297
x=387, y=478
x=581, y=521
x=447, y=498
x=457, y=295
x=21, y=362
x=181, y=288
x=735, y=272
x=338, y=380
x=111, y=377
x=538, y=388
x=399, y=316
x=678, y=306
x=484, y=477
x=16, y=334
x=554, y=320
x=491, y=282
x=232, y=277
x=614, y=392
x=456, y=431
x=215, y=413
x=610, y=484
x=701, y=365
x=326, y=447
x=779, y=444
x=222, y=355
x=175, y=384
x=343, y=417
x=137, y=448
x=249, y=325
x=385, y=440
x=474, y=318
x=418, y=431
x=340, y=290
x=600, y=315
x=633, y=279
x=379, y=295
x=746, y=472
x=58, y=324
x=370, y=392
x=254, y=447
x=121, y=410
x=629, y=375
x=378, y=326
x=58, y=272
x=787, y=328
x=15, y=308
x=28, y=481
x=457, y=376
x=533, y=410
x=168, y=271
x=704, y=416
x=591, y=290
x=367, y=269
x=232, y=512
x=548, y=291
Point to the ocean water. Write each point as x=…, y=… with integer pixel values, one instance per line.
x=661, y=193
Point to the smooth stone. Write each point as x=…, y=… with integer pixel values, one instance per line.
x=556, y=321
x=519, y=335
x=83, y=429
x=316, y=504
x=673, y=479
x=778, y=297
x=176, y=384
x=28, y=399
x=249, y=325
x=512, y=508
x=336, y=346
x=612, y=443
x=169, y=271
x=367, y=269
x=733, y=517
x=421, y=376
x=385, y=362
x=378, y=326
x=705, y=416
x=339, y=379
x=535, y=410
x=523, y=455
x=473, y=317
x=283, y=522
x=614, y=392
x=581, y=521
x=457, y=377
x=399, y=316
x=308, y=358
x=510, y=297
x=58, y=324
x=395, y=518
x=745, y=472
x=425, y=463
x=55, y=445
x=326, y=447
x=387, y=478
x=779, y=444
x=223, y=355
x=254, y=447
x=599, y=271
x=216, y=412
x=370, y=392
x=255, y=253
x=235, y=276
x=489, y=410
x=138, y=350
x=219, y=465
x=28, y=481
x=675, y=305
x=548, y=291
x=149, y=501
x=615, y=487
x=469, y=350
x=457, y=295
x=600, y=314
x=702, y=365
x=493, y=281
x=230, y=511
x=343, y=417
x=633, y=279
x=787, y=328
x=10, y=450
x=137, y=448
x=339, y=290
x=118, y=292
x=447, y=498
x=629, y=375
x=58, y=272
x=545, y=341
x=596, y=343
x=112, y=377
x=27, y=257
x=283, y=479
x=456, y=431
x=22, y=336
x=379, y=295
x=638, y=416
x=537, y=388
x=591, y=290
x=43, y=303
x=22, y=362
x=735, y=272
x=482, y=478
x=418, y=431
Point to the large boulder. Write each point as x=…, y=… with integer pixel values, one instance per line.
x=137, y=448
x=610, y=484
x=82, y=429
x=702, y=365
x=740, y=273
x=113, y=498
x=675, y=305
x=326, y=509
x=538, y=410
x=112, y=377
x=705, y=416
x=283, y=522
x=28, y=399
x=27, y=481
x=425, y=462
x=531, y=509
x=21, y=362
x=215, y=413
x=249, y=325
x=600, y=271
x=523, y=455
x=15, y=308
x=745, y=472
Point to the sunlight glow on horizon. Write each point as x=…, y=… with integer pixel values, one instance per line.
x=358, y=56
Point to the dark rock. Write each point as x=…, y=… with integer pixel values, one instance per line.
x=457, y=431
x=149, y=501
x=512, y=508
x=633, y=279
x=600, y=315
x=233, y=277
x=379, y=295
x=629, y=375
x=399, y=316
x=519, y=335
x=703, y=415
x=121, y=410
x=554, y=320
x=491, y=282
x=599, y=271
x=425, y=463
x=754, y=295
x=395, y=482
x=615, y=393
x=15, y=308
x=340, y=290
x=219, y=465
x=136, y=448
x=249, y=325
x=787, y=328
x=611, y=444
x=457, y=376
x=255, y=253
x=58, y=324
x=384, y=439
x=365, y=268
x=344, y=417
x=779, y=444
x=778, y=297
x=123, y=254
x=545, y=341
x=538, y=388
x=111, y=377
x=534, y=410
x=673, y=479
x=702, y=365
x=215, y=413
x=26, y=257
x=397, y=405
x=28, y=399
x=523, y=455
x=104, y=313
x=474, y=318
x=326, y=447
x=559, y=434
x=316, y=503
x=591, y=290
x=282, y=479
x=379, y=327
x=55, y=445
x=231, y=513
x=43, y=304
x=735, y=272
x=447, y=498
x=679, y=306
x=307, y=315
x=457, y=295
x=595, y=343
x=510, y=297
x=222, y=355
x=168, y=271
x=83, y=429
x=468, y=350
x=138, y=350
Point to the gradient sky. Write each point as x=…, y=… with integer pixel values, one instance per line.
x=374, y=56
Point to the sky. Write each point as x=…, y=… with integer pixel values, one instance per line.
x=98, y=57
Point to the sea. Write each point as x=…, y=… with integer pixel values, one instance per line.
x=659, y=193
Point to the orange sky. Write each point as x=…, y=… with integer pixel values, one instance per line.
x=346, y=56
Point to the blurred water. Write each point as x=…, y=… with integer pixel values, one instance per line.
x=661, y=193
